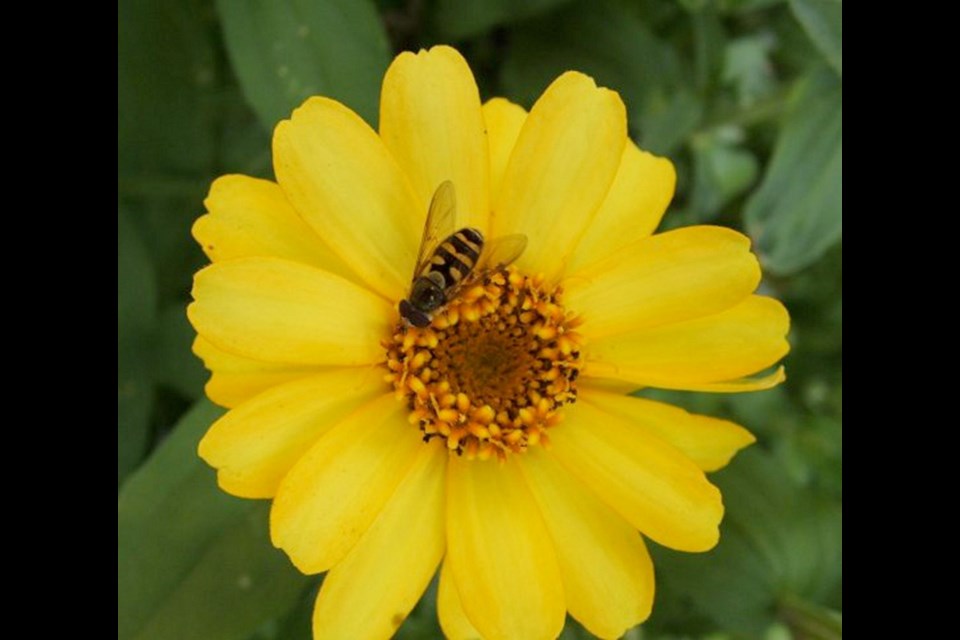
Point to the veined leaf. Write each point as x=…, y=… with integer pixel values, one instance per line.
x=779, y=543
x=287, y=50
x=797, y=212
x=193, y=562
x=136, y=322
x=823, y=22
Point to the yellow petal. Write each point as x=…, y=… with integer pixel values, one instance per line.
x=500, y=553
x=741, y=385
x=637, y=200
x=504, y=120
x=346, y=185
x=338, y=488
x=608, y=384
x=370, y=592
x=760, y=382
x=453, y=620
x=280, y=311
x=251, y=217
x=234, y=378
x=653, y=486
x=560, y=170
x=663, y=279
x=709, y=442
x=717, y=348
x=256, y=444
x=430, y=120
x=607, y=572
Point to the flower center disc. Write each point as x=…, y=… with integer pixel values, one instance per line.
x=491, y=372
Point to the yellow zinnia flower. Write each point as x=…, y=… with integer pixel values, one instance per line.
x=390, y=451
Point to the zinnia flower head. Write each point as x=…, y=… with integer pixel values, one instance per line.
x=498, y=444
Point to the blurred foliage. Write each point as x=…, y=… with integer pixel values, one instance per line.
x=745, y=96
x=190, y=552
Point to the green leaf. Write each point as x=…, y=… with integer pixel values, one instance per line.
x=604, y=39
x=170, y=94
x=166, y=88
x=667, y=121
x=177, y=367
x=797, y=212
x=723, y=169
x=165, y=222
x=194, y=562
x=823, y=22
x=744, y=6
x=296, y=624
x=779, y=544
x=614, y=43
x=747, y=67
x=284, y=51
x=456, y=19
x=709, y=39
x=136, y=320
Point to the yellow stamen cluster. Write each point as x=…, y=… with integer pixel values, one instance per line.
x=491, y=372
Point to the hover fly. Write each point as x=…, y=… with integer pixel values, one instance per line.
x=448, y=259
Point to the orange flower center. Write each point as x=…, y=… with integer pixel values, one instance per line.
x=491, y=372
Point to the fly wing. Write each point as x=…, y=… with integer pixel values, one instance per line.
x=502, y=251
x=441, y=219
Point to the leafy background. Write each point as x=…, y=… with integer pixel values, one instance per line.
x=744, y=95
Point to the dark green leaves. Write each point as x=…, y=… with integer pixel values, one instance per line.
x=780, y=545
x=167, y=87
x=180, y=121
x=194, y=562
x=136, y=325
x=797, y=212
x=823, y=22
x=285, y=51
x=604, y=39
x=722, y=170
x=457, y=19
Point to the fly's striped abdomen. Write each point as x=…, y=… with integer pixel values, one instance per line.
x=456, y=256
x=443, y=267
